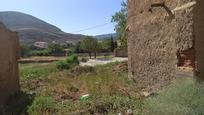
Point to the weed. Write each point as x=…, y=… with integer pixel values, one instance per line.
x=185, y=97
x=62, y=64
x=42, y=106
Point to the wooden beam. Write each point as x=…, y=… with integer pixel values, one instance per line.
x=162, y=4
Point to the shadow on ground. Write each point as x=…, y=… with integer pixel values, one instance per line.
x=18, y=104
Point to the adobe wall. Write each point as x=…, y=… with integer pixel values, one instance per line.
x=9, y=47
x=199, y=38
x=155, y=36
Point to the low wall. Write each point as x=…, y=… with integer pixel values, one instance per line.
x=120, y=53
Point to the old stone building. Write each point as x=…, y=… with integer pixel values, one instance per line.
x=163, y=34
x=9, y=47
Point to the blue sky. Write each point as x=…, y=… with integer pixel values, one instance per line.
x=69, y=15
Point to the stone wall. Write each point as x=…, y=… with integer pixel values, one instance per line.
x=157, y=31
x=9, y=47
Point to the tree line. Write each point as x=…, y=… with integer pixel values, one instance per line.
x=88, y=45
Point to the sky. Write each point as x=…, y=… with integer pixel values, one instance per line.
x=70, y=15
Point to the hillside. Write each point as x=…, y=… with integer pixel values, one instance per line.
x=31, y=29
x=104, y=36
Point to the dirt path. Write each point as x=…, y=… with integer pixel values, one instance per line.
x=94, y=62
x=40, y=59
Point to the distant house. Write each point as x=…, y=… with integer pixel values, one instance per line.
x=71, y=42
x=41, y=45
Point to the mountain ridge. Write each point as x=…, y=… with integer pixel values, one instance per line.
x=105, y=36
x=31, y=29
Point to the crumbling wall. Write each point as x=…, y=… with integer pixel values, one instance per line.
x=157, y=30
x=186, y=58
x=9, y=81
x=199, y=38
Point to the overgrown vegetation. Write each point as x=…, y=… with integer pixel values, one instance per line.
x=111, y=92
x=185, y=97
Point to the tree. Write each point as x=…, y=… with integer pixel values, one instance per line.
x=120, y=18
x=112, y=44
x=55, y=49
x=25, y=50
x=107, y=44
x=77, y=48
x=90, y=45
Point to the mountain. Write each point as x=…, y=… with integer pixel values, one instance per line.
x=31, y=29
x=104, y=36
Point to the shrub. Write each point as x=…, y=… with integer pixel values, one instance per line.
x=83, y=59
x=42, y=106
x=62, y=64
x=72, y=59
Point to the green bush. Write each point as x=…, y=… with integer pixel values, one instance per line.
x=62, y=64
x=71, y=61
x=42, y=106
